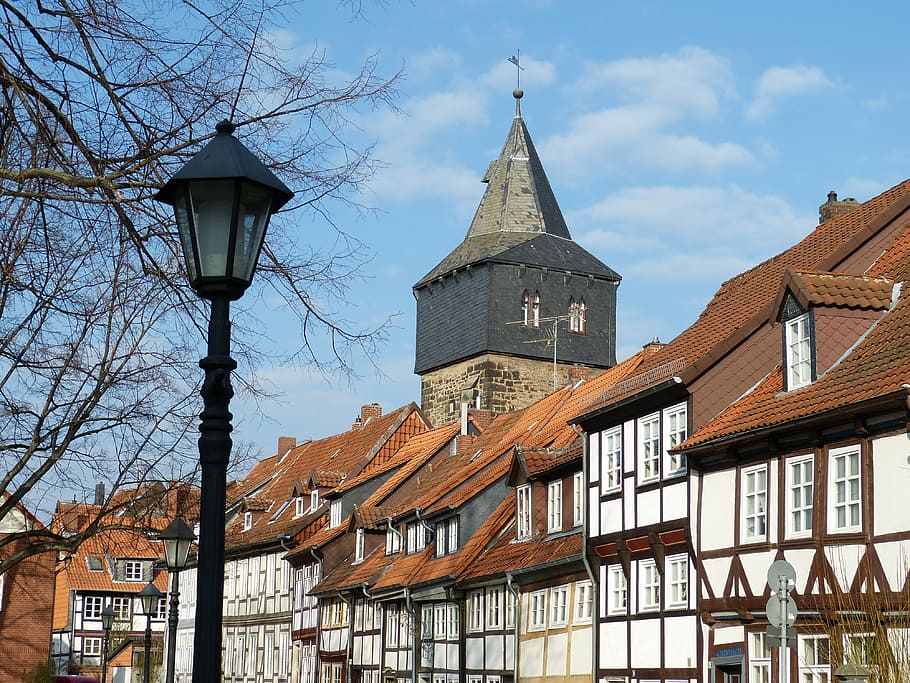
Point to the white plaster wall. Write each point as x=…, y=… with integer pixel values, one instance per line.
x=895, y=559
x=676, y=500
x=628, y=499
x=844, y=560
x=645, y=635
x=494, y=652
x=628, y=446
x=891, y=475
x=756, y=565
x=530, y=658
x=580, y=655
x=801, y=559
x=715, y=574
x=613, y=645
x=611, y=516
x=719, y=492
x=648, y=508
x=510, y=651
x=728, y=634
x=681, y=649
x=473, y=653
x=593, y=520
x=594, y=457
x=557, y=654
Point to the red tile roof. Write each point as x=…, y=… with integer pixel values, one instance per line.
x=839, y=290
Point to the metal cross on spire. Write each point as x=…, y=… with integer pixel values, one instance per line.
x=516, y=60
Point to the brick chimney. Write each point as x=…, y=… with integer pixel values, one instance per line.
x=834, y=208
x=653, y=346
x=286, y=443
x=370, y=410
x=462, y=443
x=578, y=373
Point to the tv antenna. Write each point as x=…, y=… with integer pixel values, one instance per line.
x=551, y=339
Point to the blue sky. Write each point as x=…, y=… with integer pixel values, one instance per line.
x=685, y=142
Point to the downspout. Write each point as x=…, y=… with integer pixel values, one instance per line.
x=515, y=619
x=595, y=590
x=424, y=523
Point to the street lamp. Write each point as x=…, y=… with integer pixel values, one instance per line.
x=223, y=198
x=107, y=623
x=177, y=538
x=149, y=596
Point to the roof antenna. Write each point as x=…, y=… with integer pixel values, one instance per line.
x=518, y=92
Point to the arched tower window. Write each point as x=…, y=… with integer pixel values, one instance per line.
x=535, y=311
x=577, y=312
x=525, y=308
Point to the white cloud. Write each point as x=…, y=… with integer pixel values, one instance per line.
x=778, y=83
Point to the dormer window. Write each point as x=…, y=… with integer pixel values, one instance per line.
x=314, y=499
x=798, y=350
x=247, y=520
x=447, y=537
x=358, y=546
x=132, y=570
x=392, y=541
x=523, y=511
x=417, y=537
x=335, y=514
x=299, y=506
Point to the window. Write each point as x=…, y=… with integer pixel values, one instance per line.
x=578, y=499
x=523, y=511
x=554, y=506
x=426, y=622
x=452, y=627
x=678, y=571
x=91, y=647
x=617, y=604
x=439, y=618
x=526, y=308
x=800, y=476
x=358, y=545
x=284, y=646
x=845, y=489
x=559, y=606
x=268, y=655
x=649, y=447
x=391, y=630
x=860, y=648
x=535, y=310
x=584, y=601
x=759, y=659
x=417, y=537
x=314, y=499
x=392, y=541
x=494, y=607
x=132, y=570
x=91, y=607
x=247, y=520
x=511, y=603
x=814, y=659
x=253, y=651
x=675, y=429
x=798, y=346
x=446, y=536
x=299, y=506
x=755, y=493
x=161, y=610
x=537, y=611
x=612, y=459
x=122, y=607
x=335, y=514
x=650, y=585
x=453, y=534
x=577, y=313
x=94, y=563
x=475, y=611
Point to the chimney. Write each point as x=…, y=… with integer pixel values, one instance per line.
x=99, y=493
x=371, y=410
x=578, y=373
x=463, y=443
x=834, y=208
x=286, y=443
x=358, y=423
x=653, y=346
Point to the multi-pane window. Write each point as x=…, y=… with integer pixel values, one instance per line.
x=475, y=611
x=439, y=618
x=526, y=308
x=91, y=607
x=584, y=601
x=649, y=447
x=132, y=570
x=559, y=606
x=247, y=520
x=535, y=310
x=814, y=659
x=417, y=537
x=511, y=604
x=860, y=648
x=314, y=499
x=800, y=487
x=494, y=607
x=554, y=506
x=161, y=609
x=612, y=459
x=91, y=647
x=578, y=499
x=799, y=352
x=299, y=506
x=358, y=545
x=678, y=581
x=845, y=492
x=453, y=620
x=446, y=536
x=523, y=511
x=537, y=610
x=426, y=622
x=675, y=430
x=335, y=513
x=392, y=541
x=391, y=629
x=759, y=658
x=617, y=586
x=577, y=314
x=755, y=496
x=121, y=605
x=650, y=585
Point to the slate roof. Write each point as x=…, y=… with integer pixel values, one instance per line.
x=518, y=219
x=878, y=366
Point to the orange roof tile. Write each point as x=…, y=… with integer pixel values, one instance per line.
x=508, y=555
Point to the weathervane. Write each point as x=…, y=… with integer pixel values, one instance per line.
x=516, y=60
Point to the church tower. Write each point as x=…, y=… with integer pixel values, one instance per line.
x=506, y=316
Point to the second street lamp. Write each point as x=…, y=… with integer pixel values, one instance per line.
x=107, y=623
x=150, y=597
x=223, y=198
x=177, y=538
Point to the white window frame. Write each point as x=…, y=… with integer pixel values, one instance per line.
x=578, y=499
x=358, y=545
x=391, y=626
x=314, y=500
x=800, y=495
x=559, y=605
x=845, y=489
x=619, y=590
x=392, y=541
x=810, y=669
x=452, y=534
x=475, y=611
x=537, y=610
x=299, y=506
x=335, y=513
x=133, y=570
x=649, y=592
x=759, y=657
x=92, y=605
x=675, y=429
x=441, y=539
x=554, y=506
x=494, y=604
x=856, y=648
x=649, y=448
x=452, y=627
x=755, y=504
x=439, y=621
x=611, y=447
x=247, y=520
x=91, y=647
x=677, y=569
x=511, y=602
x=523, y=511
x=798, y=348
x=584, y=602
x=535, y=309
x=123, y=607
x=426, y=622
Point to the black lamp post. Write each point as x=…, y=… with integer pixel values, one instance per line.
x=223, y=198
x=177, y=538
x=107, y=623
x=149, y=596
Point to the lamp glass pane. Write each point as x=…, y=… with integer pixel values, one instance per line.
x=186, y=235
x=212, y=201
x=252, y=219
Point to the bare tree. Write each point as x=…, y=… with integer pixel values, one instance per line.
x=100, y=102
